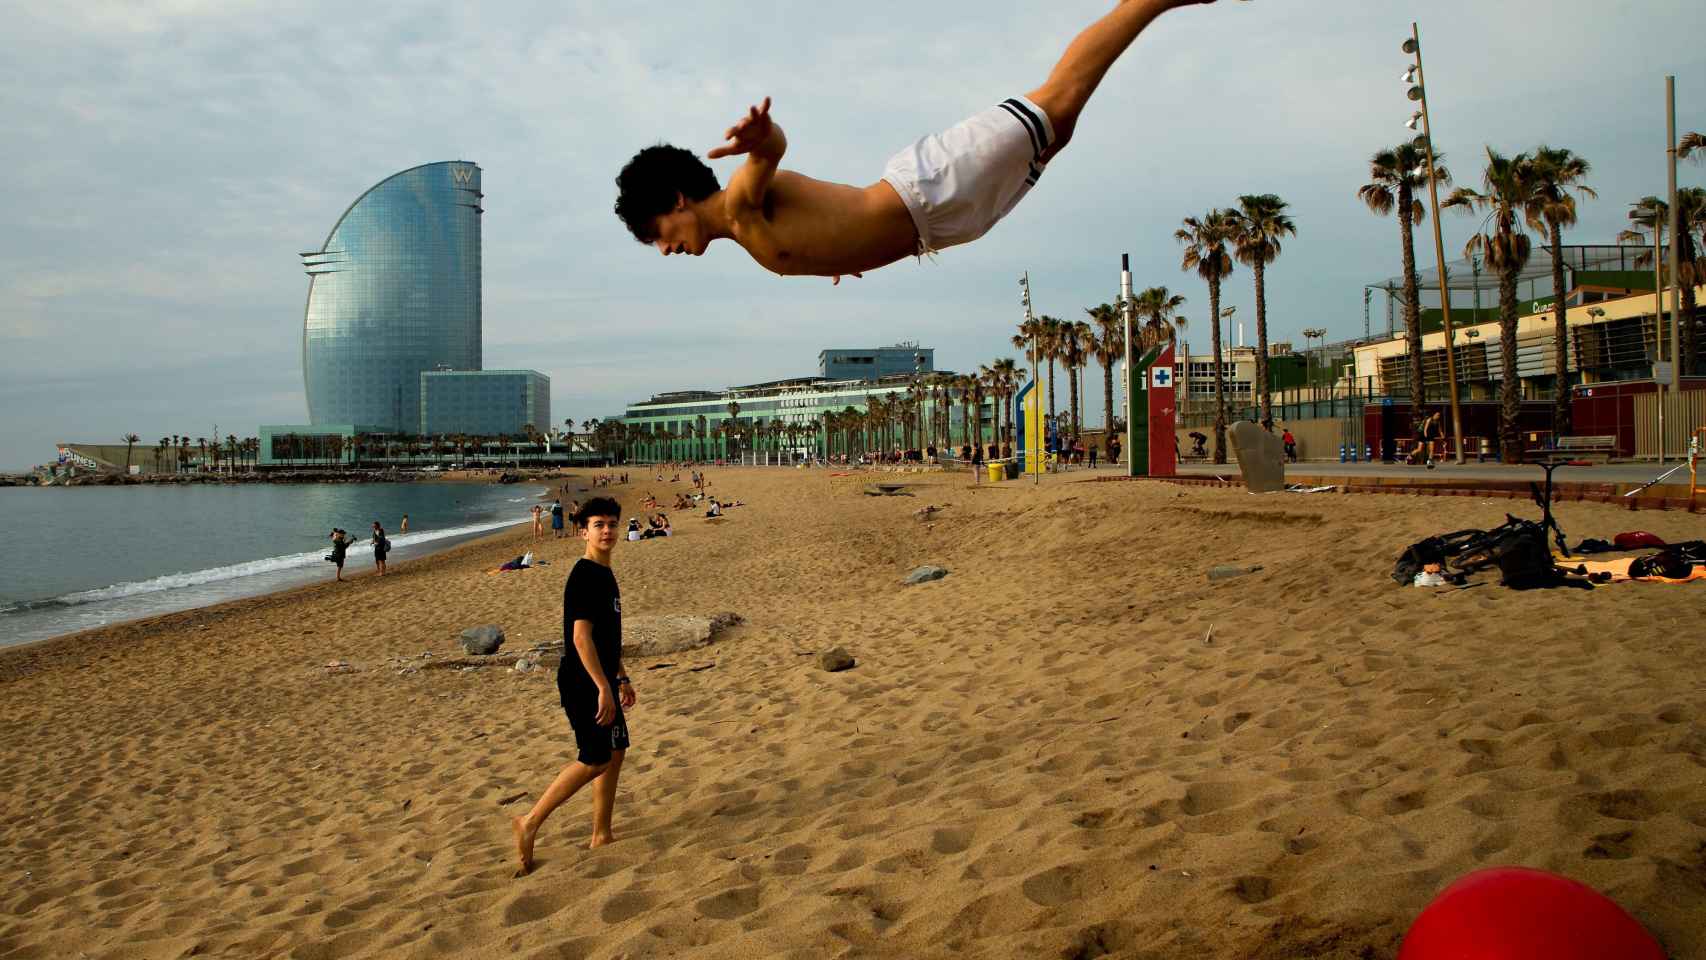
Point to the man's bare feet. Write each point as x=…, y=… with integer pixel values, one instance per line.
x=600, y=839
x=523, y=845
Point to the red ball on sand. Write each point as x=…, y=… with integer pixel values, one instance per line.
x=1514, y=913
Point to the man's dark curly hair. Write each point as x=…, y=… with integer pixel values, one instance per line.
x=646, y=187
x=596, y=507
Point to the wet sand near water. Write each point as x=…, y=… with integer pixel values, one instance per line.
x=1074, y=745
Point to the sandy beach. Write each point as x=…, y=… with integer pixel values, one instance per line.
x=1073, y=746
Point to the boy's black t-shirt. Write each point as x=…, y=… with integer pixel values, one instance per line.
x=591, y=594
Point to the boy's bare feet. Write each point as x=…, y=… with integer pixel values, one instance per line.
x=600, y=839
x=523, y=845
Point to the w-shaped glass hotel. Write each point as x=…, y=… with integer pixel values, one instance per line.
x=393, y=293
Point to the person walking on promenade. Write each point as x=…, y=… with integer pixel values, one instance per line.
x=1290, y=445
x=381, y=546
x=591, y=683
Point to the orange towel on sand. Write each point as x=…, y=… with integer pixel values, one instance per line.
x=1619, y=570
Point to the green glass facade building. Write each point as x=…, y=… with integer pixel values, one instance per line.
x=792, y=418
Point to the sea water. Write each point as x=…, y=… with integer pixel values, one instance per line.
x=82, y=557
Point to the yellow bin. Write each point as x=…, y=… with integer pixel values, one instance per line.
x=996, y=471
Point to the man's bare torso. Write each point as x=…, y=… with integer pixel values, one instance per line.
x=814, y=227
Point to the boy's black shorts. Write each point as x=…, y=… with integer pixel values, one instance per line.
x=595, y=742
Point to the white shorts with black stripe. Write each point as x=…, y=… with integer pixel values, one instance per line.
x=959, y=183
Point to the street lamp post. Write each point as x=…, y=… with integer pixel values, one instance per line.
x=1032, y=444
x=1127, y=305
x=1659, y=221
x=1418, y=92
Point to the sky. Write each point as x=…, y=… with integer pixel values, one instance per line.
x=167, y=161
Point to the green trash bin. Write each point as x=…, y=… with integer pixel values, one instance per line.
x=1012, y=469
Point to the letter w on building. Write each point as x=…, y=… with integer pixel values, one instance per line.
x=463, y=174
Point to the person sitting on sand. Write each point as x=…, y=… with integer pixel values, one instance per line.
x=592, y=686
x=633, y=529
x=944, y=190
x=714, y=510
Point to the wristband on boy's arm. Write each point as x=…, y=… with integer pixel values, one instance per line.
x=621, y=680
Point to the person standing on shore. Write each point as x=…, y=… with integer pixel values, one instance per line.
x=538, y=522
x=556, y=519
x=340, y=545
x=381, y=546
x=591, y=684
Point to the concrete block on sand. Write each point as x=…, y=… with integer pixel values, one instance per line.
x=1261, y=457
x=672, y=633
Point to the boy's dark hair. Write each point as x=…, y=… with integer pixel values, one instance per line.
x=597, y=507
x=647, y=186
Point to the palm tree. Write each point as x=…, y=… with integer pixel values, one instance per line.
x=1691, y=211
x=1555, y=171
x=1689, y=143
x=129, y=444
x=1159, y=308
x=1510, y=190
x=1262, y=222
x=1395, y=177
x=1077, y=342
x=733, y=427
x=1205, y=243
x=1007, y=376
x=1048, y=350
x=1108, y=347
x=1653, y=214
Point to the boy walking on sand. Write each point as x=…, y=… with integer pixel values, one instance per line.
x=943, y=190
x=591, y=683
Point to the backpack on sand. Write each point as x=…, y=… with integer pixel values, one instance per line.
x=1523, y=557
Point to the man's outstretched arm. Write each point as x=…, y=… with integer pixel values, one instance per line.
x=757, y=136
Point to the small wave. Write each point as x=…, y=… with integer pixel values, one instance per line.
x=175, y=581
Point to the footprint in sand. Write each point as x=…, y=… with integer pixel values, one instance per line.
x=951, y=840
x=730, y=904
x=1254, y=889
x=1054, y=887
x=1611, y=846
x=625, y=906
x=1625, y=804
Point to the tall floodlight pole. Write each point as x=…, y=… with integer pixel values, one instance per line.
x=1419, y=92
x=1032, y=454
x=1659, y=337
x=1126, y=306
x=1676, y=318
